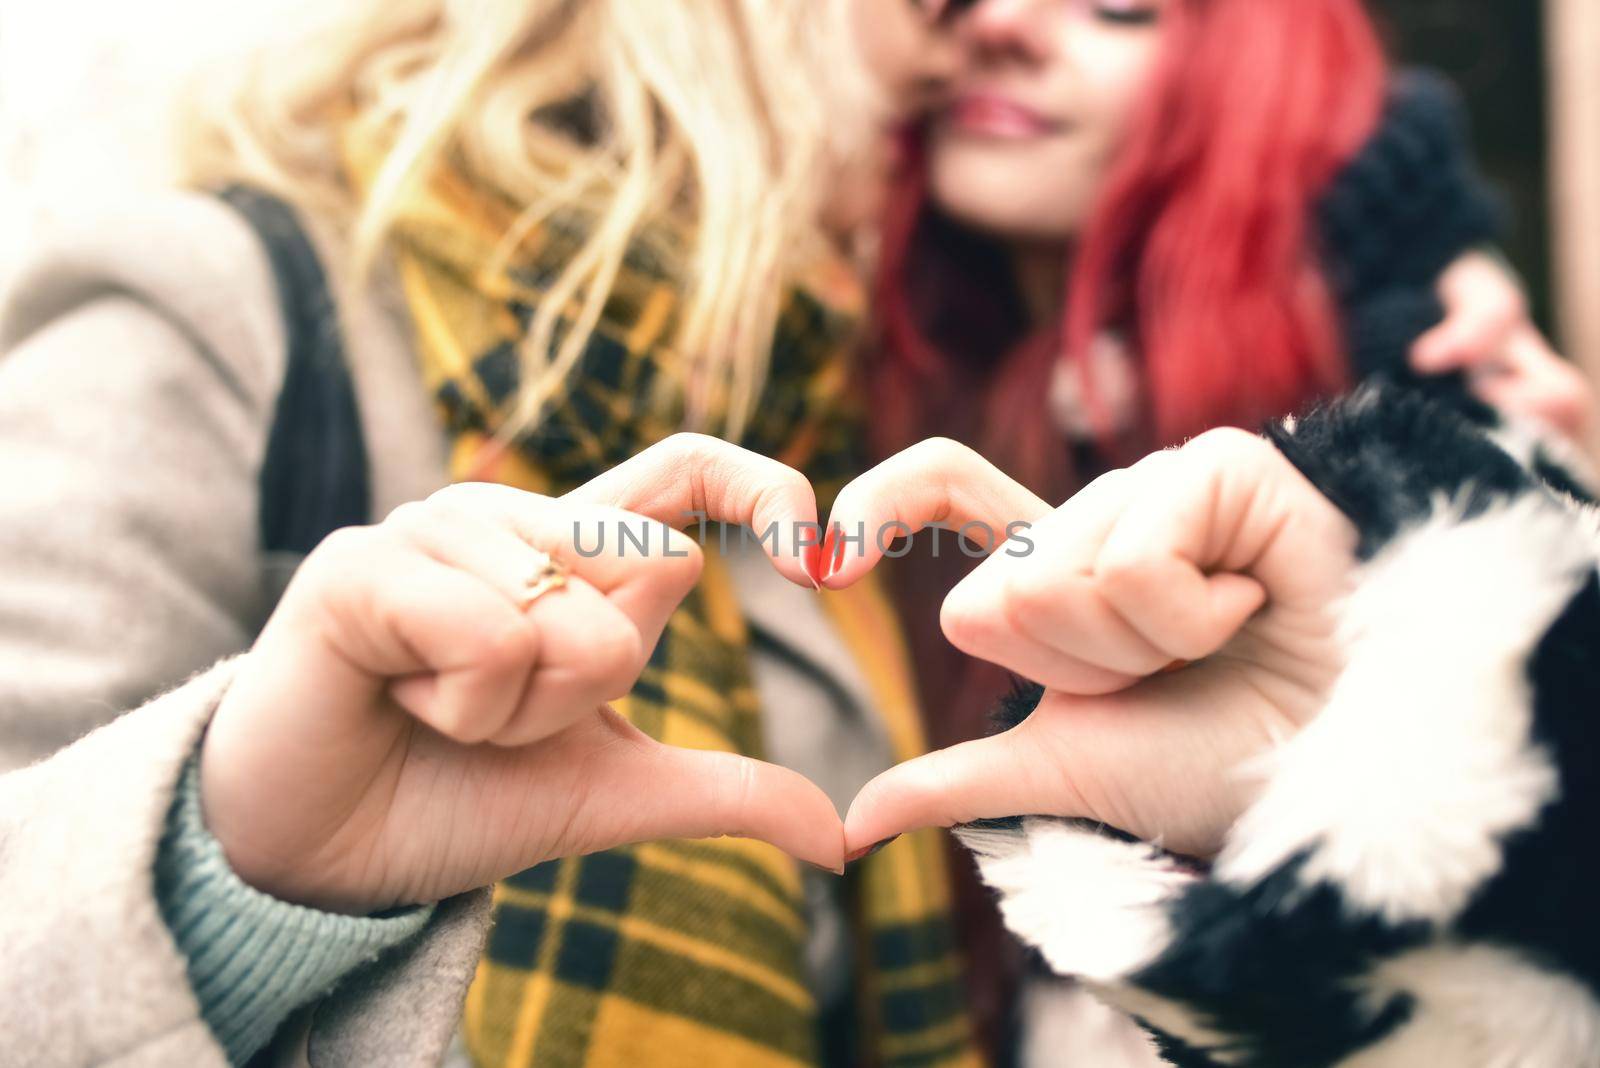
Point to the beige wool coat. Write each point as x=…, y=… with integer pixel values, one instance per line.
x=141, y=354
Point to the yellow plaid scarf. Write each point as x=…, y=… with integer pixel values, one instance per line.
x=680, y=952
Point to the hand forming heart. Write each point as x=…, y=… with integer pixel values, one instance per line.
x=406, y=727
x=1219, y=552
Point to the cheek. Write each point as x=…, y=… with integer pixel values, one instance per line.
x=1047, y=189
x=887, y=35
x=1113, y=74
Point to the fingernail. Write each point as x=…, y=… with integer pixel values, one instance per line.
x=823, y=867
x=811, y=560
x=830, y=562
x=864, y=853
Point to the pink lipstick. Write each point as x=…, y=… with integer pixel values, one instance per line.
x=999, y=117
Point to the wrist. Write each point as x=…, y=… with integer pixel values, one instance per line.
x=252, y=823
x=285, y=769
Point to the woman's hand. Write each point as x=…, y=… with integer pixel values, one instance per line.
x=405, y=729
x=1488, y=335
x=1219, y=552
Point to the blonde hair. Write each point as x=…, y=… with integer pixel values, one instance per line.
x=722, y=114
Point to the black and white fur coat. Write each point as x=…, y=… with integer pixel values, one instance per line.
x=1416, y=882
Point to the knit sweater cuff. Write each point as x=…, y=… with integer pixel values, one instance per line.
x=253, y=959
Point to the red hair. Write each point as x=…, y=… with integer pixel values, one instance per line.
x=1201, y=248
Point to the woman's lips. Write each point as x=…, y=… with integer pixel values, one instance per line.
x=986, y=115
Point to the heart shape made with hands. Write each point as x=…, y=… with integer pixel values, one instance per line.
x=1219, y=553
x=936, y=482
x=410, y=724
x=1179, y=617
x=395, y=742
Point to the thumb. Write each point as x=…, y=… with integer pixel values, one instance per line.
x=990, y=778
x=1157, y=762
x=640, y=790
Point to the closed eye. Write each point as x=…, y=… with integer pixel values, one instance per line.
x=1123, y=12
x=1127, y=13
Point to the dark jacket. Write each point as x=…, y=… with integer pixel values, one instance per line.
x=1403, y=210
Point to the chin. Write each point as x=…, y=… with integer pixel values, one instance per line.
x=1005, y=191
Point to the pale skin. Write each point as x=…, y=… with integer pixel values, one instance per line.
x=1489, y=335
x=404, y=729
x=1219, y=552
x=912, y=57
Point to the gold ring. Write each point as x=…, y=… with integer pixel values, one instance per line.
x=548, y=574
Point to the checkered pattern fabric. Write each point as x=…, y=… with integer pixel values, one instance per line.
x=678, y=952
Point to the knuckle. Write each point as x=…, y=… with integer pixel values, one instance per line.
x=792, y=481
x=689, y=440
x=511, y=645
x=413, y=520
x=339, y=557
x=345, y=543
x=1108, y=482
x=405, y=513
x=1228, y=442
x=1231, y=451
x=1119, y=575
x=778, y=482
x=388, y=610
x=940, y=452
x=455, y=494
x=611, y=660
x=459, y=498
x=691, y=448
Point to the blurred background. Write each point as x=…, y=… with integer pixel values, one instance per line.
x=1531, y=74
x=86, y=88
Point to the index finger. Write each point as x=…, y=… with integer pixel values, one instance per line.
x=691, y=478
x=987, y=778
x=937, y=481
x=1483, y=306
x=1159, y=762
